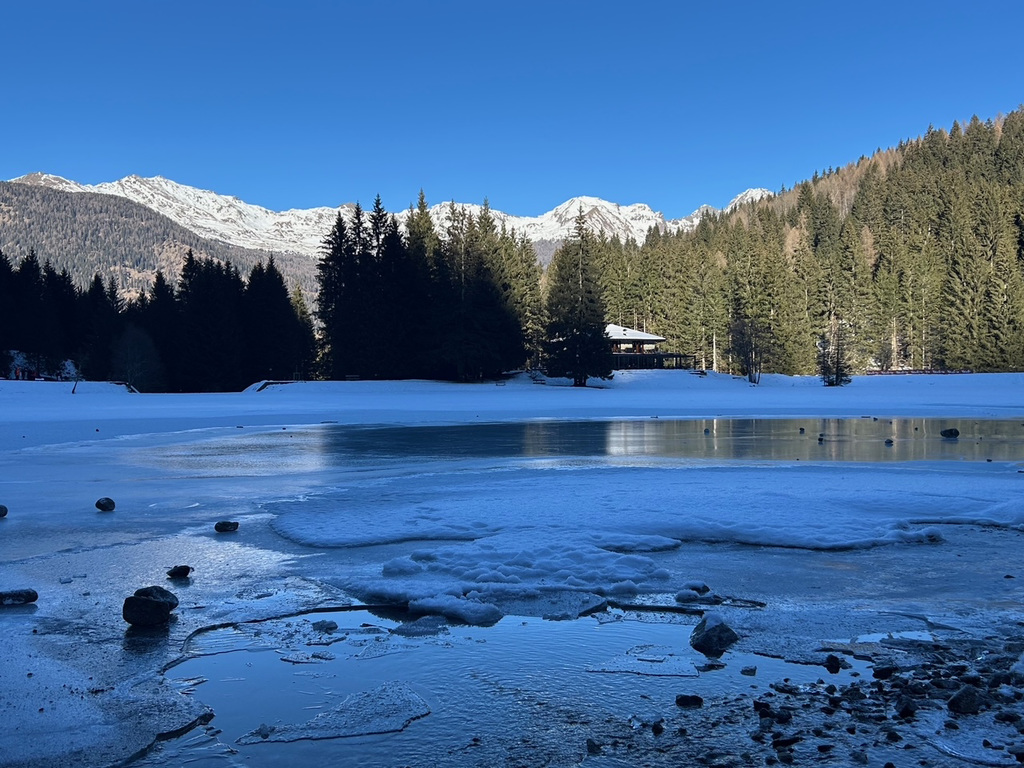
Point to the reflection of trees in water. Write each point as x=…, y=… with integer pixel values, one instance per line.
x=860, y=440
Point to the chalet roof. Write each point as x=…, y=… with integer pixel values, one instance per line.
x=620, y=333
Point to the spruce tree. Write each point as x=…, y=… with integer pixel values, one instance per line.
x=577, y=344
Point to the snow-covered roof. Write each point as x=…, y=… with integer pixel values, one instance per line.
x=621, y=333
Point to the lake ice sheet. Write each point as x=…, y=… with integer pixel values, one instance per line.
x=835, y=549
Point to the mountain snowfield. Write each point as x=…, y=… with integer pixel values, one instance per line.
x=233, y=221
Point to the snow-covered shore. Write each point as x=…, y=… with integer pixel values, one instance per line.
x=837, y=546
x=42, y=412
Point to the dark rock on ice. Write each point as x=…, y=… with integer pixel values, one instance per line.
x=18, y=597
x=180, y=572
x=145, y=611
x=966, y=701
x=3, y=511
x=593, y=748
x=952, y=433
x=884, y=670
x=149, y=607
x=325, y=627
x=712, y=636
x=689, y=701
x=158, y=593
x=906, y=708
x=226, y=526
x=106, y=504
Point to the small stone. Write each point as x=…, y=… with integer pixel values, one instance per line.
x=3, y=511
x=325, y=627
x=180, y=572
x=18, y=597
x=106, y=504
x=712, y=636
x=689, y=701
x=593, y=748
x=884, y=670
x=906, y=708
x=950, y=434
x=749, y=671
x=833, y=664
x=658, y=728
x=226, y=526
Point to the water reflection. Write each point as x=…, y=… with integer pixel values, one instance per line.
x=862, y=440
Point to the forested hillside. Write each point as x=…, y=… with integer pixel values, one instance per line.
x=89, y=234
x=911, y=258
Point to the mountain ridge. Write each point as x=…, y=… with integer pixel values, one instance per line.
x=229, y=219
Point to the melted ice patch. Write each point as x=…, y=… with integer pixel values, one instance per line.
x=386, y=709
x=655, y=660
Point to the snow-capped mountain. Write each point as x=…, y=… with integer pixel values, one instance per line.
x=231, y=220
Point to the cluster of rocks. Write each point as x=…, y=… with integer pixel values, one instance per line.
x=900, y=709
x=928, y=703
x=149, y=606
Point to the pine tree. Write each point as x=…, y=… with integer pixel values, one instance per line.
x=577, y=344
x=332, y=302
x=6, y=300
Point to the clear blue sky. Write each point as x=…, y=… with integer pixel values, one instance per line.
x=528, y=103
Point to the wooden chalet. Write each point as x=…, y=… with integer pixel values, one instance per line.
x=638, y=350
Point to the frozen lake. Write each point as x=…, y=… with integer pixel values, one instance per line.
x=520, y=687
x=549, y=538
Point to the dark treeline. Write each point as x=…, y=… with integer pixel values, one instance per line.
x=213, y=331
x=463, y=304
x=910, y=259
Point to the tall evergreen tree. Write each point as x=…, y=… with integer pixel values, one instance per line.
x=577, y=344
x=6, y=328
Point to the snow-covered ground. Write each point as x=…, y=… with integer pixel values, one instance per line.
x=338, y=505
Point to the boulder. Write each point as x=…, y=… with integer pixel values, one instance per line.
x=712, y=636
x=951, y=434
x=106, y=504
x=689, y=701
x=180, y=572
x=966, y=701
x=18, y=597
x=226, y=526
x=149, y=607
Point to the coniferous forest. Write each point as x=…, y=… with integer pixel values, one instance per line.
x=911, y=259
